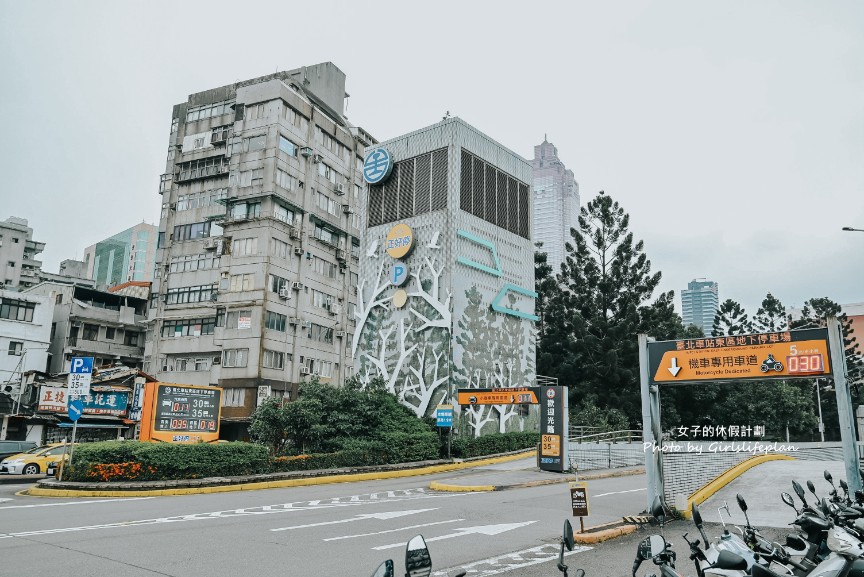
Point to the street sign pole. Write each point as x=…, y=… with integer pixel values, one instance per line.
x=844, y=405
x=655, y=486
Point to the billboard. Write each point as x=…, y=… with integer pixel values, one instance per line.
x=180, y=413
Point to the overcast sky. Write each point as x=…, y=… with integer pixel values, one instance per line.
x=731, y=131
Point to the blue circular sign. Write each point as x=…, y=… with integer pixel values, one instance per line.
x=377, y=166
x=399, y=274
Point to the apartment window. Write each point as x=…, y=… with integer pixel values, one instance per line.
x=188, y=327
x=325, y=234
x=200, y=199
x=191, y=262
x=323, y=267
x=130, y=338
x=325, y=369
x=58, y=299
x=275, y=321
x=14, y=240
x=185, y=364
x=192, y=231
x=16, y=348
x=255, y=111
x=357, y=190
x=238, y=320
x=90, y=332
x=109, y=333
x=246, y=210
x=286, y=181
x=244, y=246
x=279, y=249
x=275, y=283
x=273, y=360
x=327, y=172
x=287, y=146
x=191, y=294
x=202, y=168
x=254, y=143
x=242, y=282
x=251, y=177
x=16, y=310
x=320, y=333
x=234, y=397
x=198, y=143
x=296, y=119
x=355, y=250
x=356, y=221
x=206, y=111
x=353, y=279
x=175, y=122
x=320, y=299
x=235, y=358
x=327, y=205
x=11, y=264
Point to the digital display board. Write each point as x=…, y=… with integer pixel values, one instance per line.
x=181, y=413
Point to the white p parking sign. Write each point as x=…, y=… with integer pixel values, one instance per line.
x=80, y=374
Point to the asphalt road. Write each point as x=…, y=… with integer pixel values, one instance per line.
x=340, y=529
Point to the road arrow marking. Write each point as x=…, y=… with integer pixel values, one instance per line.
x=483, y=530
x=394, y=530
x=674, y=369
x=381, y=516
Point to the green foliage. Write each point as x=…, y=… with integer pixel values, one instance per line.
x=605, y=419
x=731, y=320
x=465, y=447
x=164, y=461
x=268, y=425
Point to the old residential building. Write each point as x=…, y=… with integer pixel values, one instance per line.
x=258, y=239
x=88, y=323
x=18, y=265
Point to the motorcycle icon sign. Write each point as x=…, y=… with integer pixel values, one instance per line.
x=770, y=364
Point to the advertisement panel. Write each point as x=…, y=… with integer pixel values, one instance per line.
x=181, y=413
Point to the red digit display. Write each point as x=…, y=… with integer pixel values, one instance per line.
x=805, y=364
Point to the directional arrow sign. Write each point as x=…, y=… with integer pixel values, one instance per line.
x=382, y=516
x=464, y=531
x=674, y=369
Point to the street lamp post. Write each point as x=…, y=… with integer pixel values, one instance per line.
x=819, y=404
x=850, y=229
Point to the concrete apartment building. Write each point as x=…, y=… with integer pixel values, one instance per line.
x=258, y=251
x=446, y=295
x=556, y=203
x=19, y=268
x=699, y=304
x=129, y=255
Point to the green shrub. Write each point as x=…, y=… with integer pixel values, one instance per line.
x=462, y=447
x=164, y=461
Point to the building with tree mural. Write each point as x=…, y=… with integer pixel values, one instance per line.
x=446, y=292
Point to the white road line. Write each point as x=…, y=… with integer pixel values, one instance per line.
x=72, y=503
x=620, y=492
x=394, y=530
x=511, y=561
x=381, y=516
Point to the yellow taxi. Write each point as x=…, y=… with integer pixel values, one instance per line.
x=34, y=461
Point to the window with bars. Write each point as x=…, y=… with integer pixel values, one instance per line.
x=416, y=186
x=493, y=195
x=188, y=327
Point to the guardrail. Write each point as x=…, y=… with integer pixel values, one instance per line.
x=583, y=435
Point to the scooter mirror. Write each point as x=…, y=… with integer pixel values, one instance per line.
x=787, y=498
x=812, y=488
x=697, y=516
x=828, y=477
x=568, y=535
x=844, y=486
x=799, y=490
x=385, y=569
x=418, y=563
x=741, y=502
x=658, y=544
x=579, y=573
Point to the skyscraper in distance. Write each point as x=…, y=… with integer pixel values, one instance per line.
x=556, y=203
x=699, y=304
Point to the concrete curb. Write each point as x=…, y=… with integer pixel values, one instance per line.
x=278, y=484
x=727, y=477
x=603, y=534
x=454, y=488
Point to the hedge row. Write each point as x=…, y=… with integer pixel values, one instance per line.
x=139, y=461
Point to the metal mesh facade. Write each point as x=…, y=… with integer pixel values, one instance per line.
x=494, y=196
x=418, y=185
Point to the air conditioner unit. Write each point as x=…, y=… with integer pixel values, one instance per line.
x=306, y=151
x=293, y=320
x=340, y=334
x=284, y=293
x=347, y=209
x=217, y=360
x=306, y=324
x=294, y=233
x=339, y=189
x=209, y=243
x=340, y=254
x=214, y=296
x=296, y=285
x=335, y=309
x=298, y=250
x=317, y=158
x=304, y=370
x=219, y=137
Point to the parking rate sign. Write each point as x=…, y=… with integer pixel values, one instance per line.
x=79, y=376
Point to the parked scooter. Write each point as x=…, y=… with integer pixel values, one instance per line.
x=727, y=557
x=568, y=542
x=771, y=552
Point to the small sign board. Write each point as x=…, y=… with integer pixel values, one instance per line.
x=579, y=498
x=80, y=373
x=76, y=408
x=444, y=416
x=506, y=396
x=553, y=428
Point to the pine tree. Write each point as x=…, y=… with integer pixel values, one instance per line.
x=731, y=320
x=544, y=285
x=771, y=316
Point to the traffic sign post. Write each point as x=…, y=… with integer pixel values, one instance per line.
x=80, y=374
x=579, y=502
x=444, y=419
x=76, y=408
